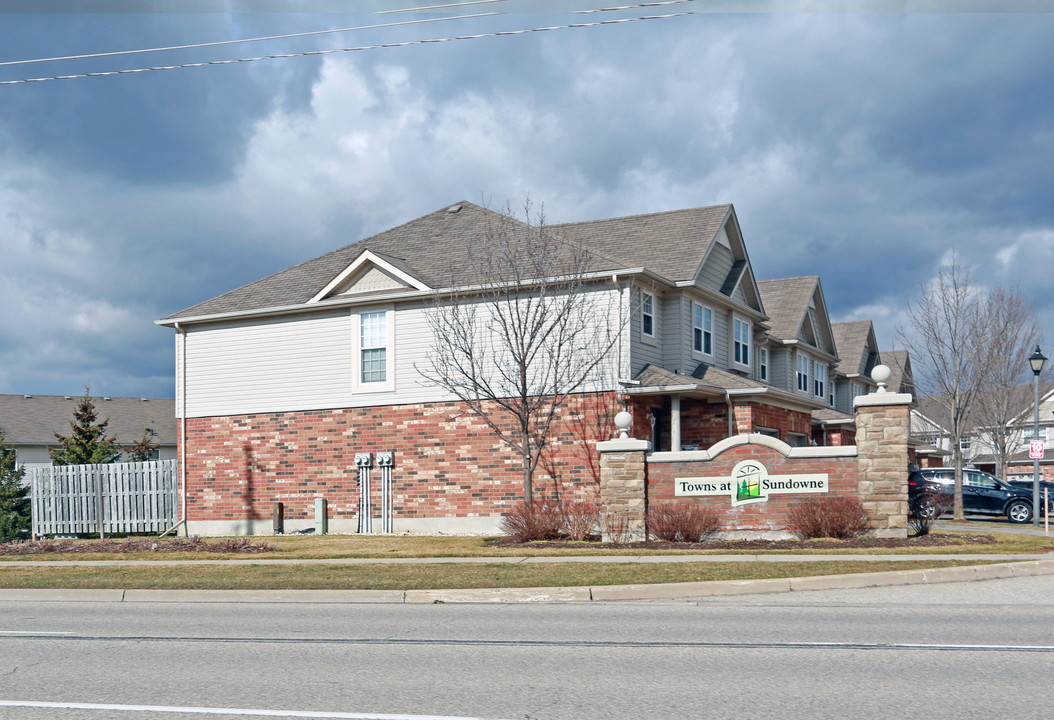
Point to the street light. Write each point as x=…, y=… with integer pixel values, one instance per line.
x=1037, y=361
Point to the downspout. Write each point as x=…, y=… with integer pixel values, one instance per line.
x=731, y=411
x=183, y=429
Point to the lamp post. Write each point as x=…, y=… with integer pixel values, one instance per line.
x=1036, y=360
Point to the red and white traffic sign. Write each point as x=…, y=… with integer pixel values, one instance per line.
x=1035, y=450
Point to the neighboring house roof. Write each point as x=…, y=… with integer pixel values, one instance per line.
x=34, y=419
x=830, y=416
x=435, y=251
x=787, y=302
x=900, y=378
x=857, y=349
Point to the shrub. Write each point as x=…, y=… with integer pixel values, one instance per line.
x=681, y=523
x=930, y=504
x=842, y=518
x=580, y=519
x=536, y=521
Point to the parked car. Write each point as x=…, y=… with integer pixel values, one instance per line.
x=1027, y=484
x=930, y=489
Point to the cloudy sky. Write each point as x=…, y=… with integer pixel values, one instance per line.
x=862, y=147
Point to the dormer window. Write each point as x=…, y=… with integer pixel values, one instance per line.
x=741, y=331
x=647, y=314
x=702, y=329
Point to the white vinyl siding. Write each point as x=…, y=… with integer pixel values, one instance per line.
x=309, y=362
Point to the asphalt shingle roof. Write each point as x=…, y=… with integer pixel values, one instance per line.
x=786, y=301
x=35, y=419
x=851, y=340
x=435, y=249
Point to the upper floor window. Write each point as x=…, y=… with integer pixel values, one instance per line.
x=702, y=329
x=819, y=376
x=763, y=364
x=742, y=332
x=373, y=347
x=964, y=443
x=1030, y=434
x=856, y=389
x=647, y=314
x=803, y=372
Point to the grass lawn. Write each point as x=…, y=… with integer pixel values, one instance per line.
x=15, y=573
x=427, y=575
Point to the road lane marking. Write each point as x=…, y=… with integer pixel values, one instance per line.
x=32, y=633
x=225, y=711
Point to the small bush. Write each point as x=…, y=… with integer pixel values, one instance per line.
x=580, y=519
x=536, y=521
x=841, y=518
x=928, y=507
x=681, y=523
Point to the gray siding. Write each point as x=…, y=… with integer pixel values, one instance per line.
x=715, y=269
x=643, y=352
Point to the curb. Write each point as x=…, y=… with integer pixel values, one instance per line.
x=605, y=593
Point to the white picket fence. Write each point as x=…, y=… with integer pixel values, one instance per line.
x=111, y=498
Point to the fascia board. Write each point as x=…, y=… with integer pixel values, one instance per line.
x=1029, y=409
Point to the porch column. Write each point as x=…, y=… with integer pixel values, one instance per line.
x=675, y=423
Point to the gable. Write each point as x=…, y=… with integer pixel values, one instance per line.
x=369, y=274
x=726, y=267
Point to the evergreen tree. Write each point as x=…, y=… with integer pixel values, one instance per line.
x=14, y=497
x=142, y=449
x=87, y=442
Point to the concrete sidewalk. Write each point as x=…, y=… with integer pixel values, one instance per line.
x=1018, y=566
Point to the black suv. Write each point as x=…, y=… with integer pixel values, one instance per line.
x=983, y=494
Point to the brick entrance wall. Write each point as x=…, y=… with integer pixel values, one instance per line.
x=451, y=470
x=765, y=518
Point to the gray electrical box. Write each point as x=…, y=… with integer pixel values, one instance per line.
x=321, y=521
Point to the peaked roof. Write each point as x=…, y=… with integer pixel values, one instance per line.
x=435, y=251
x=852, y=339
x=899, y=363
x=34, y=419
x=787, y=301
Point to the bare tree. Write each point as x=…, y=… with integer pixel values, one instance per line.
x=1010, y=331
x=945, y=339
x=527, y=332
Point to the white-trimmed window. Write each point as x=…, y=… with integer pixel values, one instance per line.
x=647, y=314
x=1030, y=434
x=702, y=329
x=742, y=331
x=964, y=443
x=373, y=350
x=803, y=372
x=857, y=389
x=763, y=364
x=819, y=376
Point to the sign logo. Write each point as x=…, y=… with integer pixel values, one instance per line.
x=750, y=482
x=1035, y=449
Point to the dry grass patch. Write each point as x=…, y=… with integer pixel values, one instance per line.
x=427, y=575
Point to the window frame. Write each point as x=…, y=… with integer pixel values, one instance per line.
x=802, y=375
x=763, y=364
x=819, y=379
x=648, y=298
x=705, y=329
x=357, y=382
x=742, y=349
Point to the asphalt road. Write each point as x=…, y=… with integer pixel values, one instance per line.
x=982, y=649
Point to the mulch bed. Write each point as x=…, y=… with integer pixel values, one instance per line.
x=134, y=545
x=864, y=542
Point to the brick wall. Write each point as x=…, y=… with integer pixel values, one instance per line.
x=763, y=517
x=448, y=463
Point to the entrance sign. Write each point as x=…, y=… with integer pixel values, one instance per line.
x=1035, y=450
x=750, y=482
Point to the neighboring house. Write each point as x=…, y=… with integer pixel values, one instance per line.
x=29, y=423
x=285, y=379
x=1023, y=430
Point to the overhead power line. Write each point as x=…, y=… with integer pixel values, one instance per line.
x=191, y=46
x=409, y=43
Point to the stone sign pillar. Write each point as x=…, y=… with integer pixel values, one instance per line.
x=623, y=485
x=882, y=420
